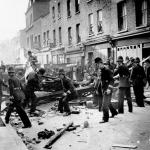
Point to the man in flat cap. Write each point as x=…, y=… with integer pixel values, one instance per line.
x=124, y=85
x=69, y=93
x=17, y=97
x=104, y=87
x=138, y=78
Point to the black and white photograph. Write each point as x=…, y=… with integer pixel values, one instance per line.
x=75, y=75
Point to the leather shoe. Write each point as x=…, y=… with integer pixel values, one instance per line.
x=103, y=121
x=29, y=126
x=67, y=114
x=113, y=115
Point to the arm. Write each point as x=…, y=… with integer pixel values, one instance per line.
x=11, y=87
x=111, y=80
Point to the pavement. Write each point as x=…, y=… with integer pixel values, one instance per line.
x=128, y=129
x=9, y=140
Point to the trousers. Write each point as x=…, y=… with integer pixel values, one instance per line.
x=124, y=92
x=106, y=105
x=20, y=112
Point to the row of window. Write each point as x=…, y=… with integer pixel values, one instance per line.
x=141, y=19
x=78, y=37
x=77, y=9
x=141, y=14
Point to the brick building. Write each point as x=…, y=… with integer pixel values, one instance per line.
x=77, y=31
x=36, y=13
x=80, y=30
x=130, y=27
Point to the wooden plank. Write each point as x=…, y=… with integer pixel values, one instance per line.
x=124, y=146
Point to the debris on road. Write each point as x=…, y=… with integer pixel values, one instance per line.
x=86, y=124
x=45, y=134
x=58, y=135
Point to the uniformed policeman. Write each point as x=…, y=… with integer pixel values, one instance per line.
x=17, y=96
x=138, y=78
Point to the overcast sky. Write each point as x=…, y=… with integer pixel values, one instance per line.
x=12, y=17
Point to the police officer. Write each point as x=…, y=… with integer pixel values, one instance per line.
x=104, y=87
x=138, y=78
x=69, y=93
x=33, y=84
x=16, y=96
x=124, y=85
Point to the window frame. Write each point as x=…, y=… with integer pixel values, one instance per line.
x=78, y=36
x=77, y=6
x=99, y=21
x=69, y=36
x=68, y=8
x=122, y=16
x=91, y=24
x=141, y=12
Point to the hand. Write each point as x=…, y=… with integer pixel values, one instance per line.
x=11, y=97
x=108, y=91
x=64, y=94
x=68, y=92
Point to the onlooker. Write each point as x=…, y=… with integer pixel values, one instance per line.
x=69, y=93
x=138, y=79
x=2, y=83
x=124, y=85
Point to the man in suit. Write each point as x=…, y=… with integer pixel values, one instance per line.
x=104, y=87
x=138, y=78
x=124, y=85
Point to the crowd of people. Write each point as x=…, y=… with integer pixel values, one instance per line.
x=102, y=78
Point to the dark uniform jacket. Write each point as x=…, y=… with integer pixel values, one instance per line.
x=124, y=75
x=67, y=84
x=138, y=76
x=15, y=89
x=106, y=81
x=32, y=81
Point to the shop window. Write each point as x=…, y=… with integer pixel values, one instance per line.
x=141, y=12
x=68, y=8
x=99, y=21
x=91, y=24
x=77, y=6
x=78, y=33
x=122, y=16
x=69, y=36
